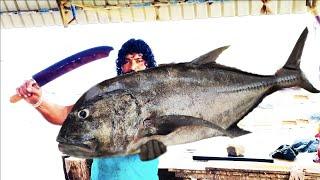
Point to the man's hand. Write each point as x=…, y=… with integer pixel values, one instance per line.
x=151, y=150
x=30, y=91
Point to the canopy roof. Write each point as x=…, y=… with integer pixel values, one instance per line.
x=30, y=13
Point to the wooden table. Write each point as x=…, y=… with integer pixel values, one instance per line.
x=280, y=169
x=177, y=163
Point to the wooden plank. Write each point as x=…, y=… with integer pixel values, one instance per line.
x=22, y=5
x=126, y=14
x=299, y=6
x=6, y=21
x=228, y=8
x=88, y=2
x=48, y=19
x=215, y=9
x=136, y=1
x=150, y=13
x=2, y=26
x=188, y=11
x=32, y=5
x=10, y=5
x=201, y=10
x=103, y=16
x=3, y=7
x=52, y=3
x=27, y=19
x=37, y=19
x=176, y=12
x=79, y=2
x=112, y=2
x=163, y=13
x=243, y=8
x=43, y=4
x=81, y=17
x=138, y=14
x=57, y=18
x=17, y=20
x=100, y=2
x=123, y=2
x=230, y=174
x=92, y=17
x=285, y=7
x=115, y=15
x=147, y=1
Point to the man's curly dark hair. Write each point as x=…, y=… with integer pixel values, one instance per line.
x=135, y=46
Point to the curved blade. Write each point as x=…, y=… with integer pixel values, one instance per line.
x=70, y=63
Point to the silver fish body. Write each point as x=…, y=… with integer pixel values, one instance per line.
x=174, y=104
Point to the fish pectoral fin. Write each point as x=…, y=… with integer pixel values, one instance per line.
x=209, y=57
x=164, y=125
x=235, y=131
x=177, y=129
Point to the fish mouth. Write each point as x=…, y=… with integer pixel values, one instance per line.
x=78, y=150
x=78, y=147
x=84, y=147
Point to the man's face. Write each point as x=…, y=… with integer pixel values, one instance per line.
x=134, y=62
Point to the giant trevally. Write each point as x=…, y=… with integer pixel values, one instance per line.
x=173, y=103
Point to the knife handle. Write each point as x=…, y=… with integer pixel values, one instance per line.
x=15, y=98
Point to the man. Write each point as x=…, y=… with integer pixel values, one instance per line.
x=134, y=55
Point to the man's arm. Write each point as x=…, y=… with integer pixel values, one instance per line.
x=55, y=114
x=31, y=93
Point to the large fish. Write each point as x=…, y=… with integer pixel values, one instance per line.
x=173, y=103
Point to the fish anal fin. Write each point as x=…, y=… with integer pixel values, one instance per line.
x=235, y=131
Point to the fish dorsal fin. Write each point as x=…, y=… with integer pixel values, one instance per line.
x=209, y=57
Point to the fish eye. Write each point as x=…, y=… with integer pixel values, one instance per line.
x=84, y=113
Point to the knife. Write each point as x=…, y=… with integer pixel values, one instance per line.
x=68, y=64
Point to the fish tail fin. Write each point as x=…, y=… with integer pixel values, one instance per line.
x=292, y=67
